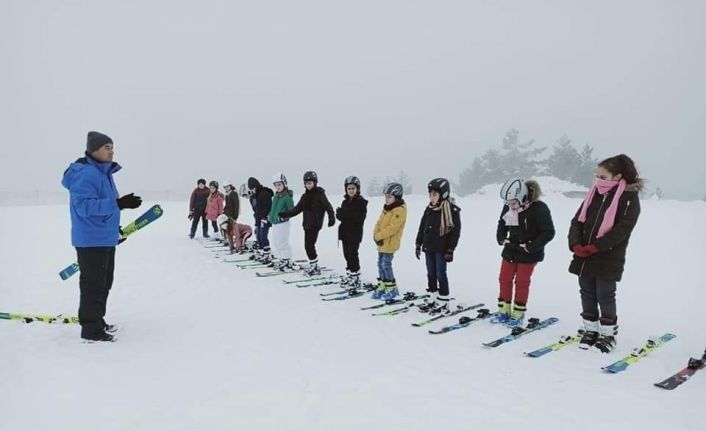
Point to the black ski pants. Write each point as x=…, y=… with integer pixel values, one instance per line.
x=97, y=265
x=195, y=224
x=310, y=237
x=350, y=253
x=598, y=292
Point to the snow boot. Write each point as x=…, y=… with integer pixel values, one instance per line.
x=313, y=268
x=503, y=314
x=606, y=341
x=391, y=291
x=517, y=317
x=380, y=290
x=590, y=335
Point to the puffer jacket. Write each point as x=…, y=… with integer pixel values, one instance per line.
x=390, y=226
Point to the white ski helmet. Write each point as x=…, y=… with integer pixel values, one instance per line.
x=222, y=219
x=279, y=178
x=227, y=183
x=514, y=189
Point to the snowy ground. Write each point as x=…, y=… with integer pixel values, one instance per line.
x=207, y=346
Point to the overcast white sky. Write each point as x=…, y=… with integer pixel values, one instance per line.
x=230, y=89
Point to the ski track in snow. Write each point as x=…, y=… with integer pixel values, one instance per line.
x=204, y=345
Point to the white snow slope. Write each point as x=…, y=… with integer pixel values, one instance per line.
x=207, y=346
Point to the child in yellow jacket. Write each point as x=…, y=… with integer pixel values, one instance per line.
x=388, y=235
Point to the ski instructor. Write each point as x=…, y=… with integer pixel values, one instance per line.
x=95, y=230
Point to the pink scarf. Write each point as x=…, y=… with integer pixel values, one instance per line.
x=512, y=217
x=603, y=187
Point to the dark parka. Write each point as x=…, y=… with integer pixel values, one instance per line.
x=313, y=203
x=232, y=208
x=535, y=230
x=261, y=202
x=199, y=200
x=352, y=215
x=609, y=262
x=428, y=235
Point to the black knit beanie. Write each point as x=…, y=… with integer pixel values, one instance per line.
x=96, y=140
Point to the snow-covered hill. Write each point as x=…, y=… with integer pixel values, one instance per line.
x=206, y=346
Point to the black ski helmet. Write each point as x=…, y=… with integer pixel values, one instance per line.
x=201, y=181
x=351, y=179
x=213, y=183
x=394, y=189
x=440, y=185
x=311, y=176
x=253, y=183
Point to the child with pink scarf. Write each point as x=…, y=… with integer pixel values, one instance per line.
x=598, y=237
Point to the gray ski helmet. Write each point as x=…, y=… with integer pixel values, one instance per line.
x=441, y=185
x=214, y=183
x=394, y=189
x=514, y=188
x=351, y=179
x=311, y=176
x=279, y=178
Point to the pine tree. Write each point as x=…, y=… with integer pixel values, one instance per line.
x=564, y=162
x=374, y=187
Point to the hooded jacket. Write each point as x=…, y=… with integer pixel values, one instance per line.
x=609, y=262
x=95, y=216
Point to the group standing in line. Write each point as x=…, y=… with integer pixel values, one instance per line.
x=598, y=236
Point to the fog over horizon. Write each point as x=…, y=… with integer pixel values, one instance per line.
x=220, y=89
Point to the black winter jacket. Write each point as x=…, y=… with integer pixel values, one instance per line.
x=609, y=262
x=313, y=203
x=232, y=207
x=199, y=200
x=535, y=230
x=428, y=234
x=352, y=215
x=261, y=203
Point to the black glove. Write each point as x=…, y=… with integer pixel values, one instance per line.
x=418, y=251
x=331, y=221
x=338, y=213
x=449, y=256
x=122, y=238
x=379, y=243
x=191, y=216
x=129, y=201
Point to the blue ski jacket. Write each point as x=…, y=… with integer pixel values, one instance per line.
x=95, y=216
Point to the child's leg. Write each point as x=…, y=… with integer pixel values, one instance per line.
x=381, y=269
x=387, y=266
x=432, y=282
x=507, y=274
x=229, y=234
x=310, y=237
x=204, y=225
x=346, y=253
x=605, y=294
x=441, y=274
x=215, y=226
x=243, y=234
x=589, y=298
x=263, y=237
x=354, y=261
x=280, y=238
x=523, y=278
x=194, y=224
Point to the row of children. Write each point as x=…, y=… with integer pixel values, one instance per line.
x=598, y=237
